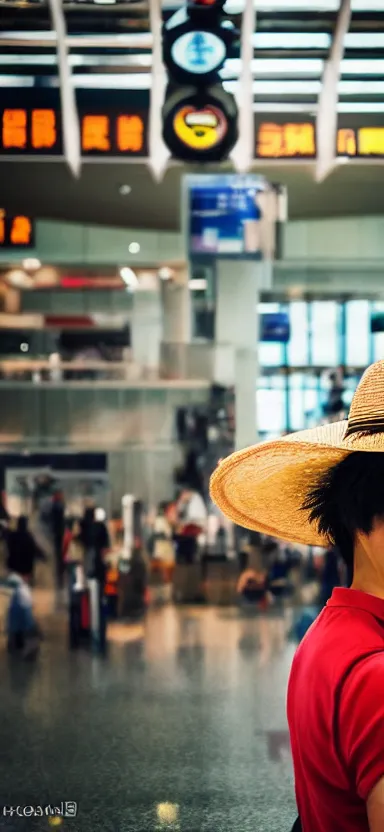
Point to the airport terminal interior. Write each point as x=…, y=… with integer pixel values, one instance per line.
x=191, y=262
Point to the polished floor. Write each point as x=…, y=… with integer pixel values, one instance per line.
x=181, y=727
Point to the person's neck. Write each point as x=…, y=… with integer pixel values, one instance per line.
x=368, y=572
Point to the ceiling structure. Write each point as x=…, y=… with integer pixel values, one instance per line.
x=110, y=48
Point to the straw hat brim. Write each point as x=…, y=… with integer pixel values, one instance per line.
x=263, y=487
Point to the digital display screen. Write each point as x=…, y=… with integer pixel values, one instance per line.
x=16, y=231
x=30, y=124
x=298, y=140
x=275, y=327
x=228, y=214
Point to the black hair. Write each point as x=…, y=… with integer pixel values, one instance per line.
x=347, y=499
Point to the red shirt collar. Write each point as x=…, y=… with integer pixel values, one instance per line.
x=359, y=600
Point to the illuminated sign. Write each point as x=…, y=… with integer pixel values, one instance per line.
x=276, y=141
x=298, y=141
x=200, y=129
x=30, y=120
x=16, y=231
x=233, y=215
x=200, y=126
x=196, y=43
x=38, y=131
x=199, y=52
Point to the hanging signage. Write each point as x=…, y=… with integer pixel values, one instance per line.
x=30, y=123
x=297, y=140
x=227, y=214
x=275, y=327
x=198, y=53
x=199, y=116
x=200, y=127
x=38, y=131
x=16, y=231
x=196, y=44
x=30, y=120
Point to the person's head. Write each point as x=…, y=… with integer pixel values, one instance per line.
x=347, y=504
x=186, y=492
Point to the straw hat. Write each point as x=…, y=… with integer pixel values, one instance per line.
x=263, y=487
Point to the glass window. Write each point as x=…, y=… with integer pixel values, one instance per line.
x=325, y=325
x=271, y=354
x=271, y=414
x=311, y=405
x=297, y=380
x=378, y=346
x=358, y=327
x=296, y=409
x=265, y=308
x=277, y=382
x=298, y=344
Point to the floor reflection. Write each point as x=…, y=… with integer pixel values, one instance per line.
x=181, y=727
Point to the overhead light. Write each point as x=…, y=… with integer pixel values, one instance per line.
x=129, y=277
x=276, y=66
x=291, y=40
x=124, y=190
x=134, y=248
x=114, y=80
x=30, y=264
x=198, y=284
x=165, y=273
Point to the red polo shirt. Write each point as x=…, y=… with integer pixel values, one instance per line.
x=336, y=713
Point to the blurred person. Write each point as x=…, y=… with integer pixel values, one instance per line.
x=96, y=541
x=73, y=547
x=252, y=588
x=23, y=551
x=57, y=527
x=139, y=580
x=163, y=546
x=325, y=487
x=22, y=630
x=192, y=524
x=278, y=573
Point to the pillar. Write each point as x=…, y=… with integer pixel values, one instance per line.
x=176, y=328
x=176, y=312
x=146, y=328
x=237, y=327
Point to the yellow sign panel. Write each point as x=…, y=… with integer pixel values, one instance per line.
x=346, y=142
x=278, y=141
x=200, y=129
x=371, y=141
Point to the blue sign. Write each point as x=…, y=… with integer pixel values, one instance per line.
x=231, y=215
x=198, y=52
x=274, y=326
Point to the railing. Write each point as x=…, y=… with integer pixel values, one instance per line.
x=47, y=372
x=179, y=363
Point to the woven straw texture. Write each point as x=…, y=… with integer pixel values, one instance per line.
x=263, y=487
